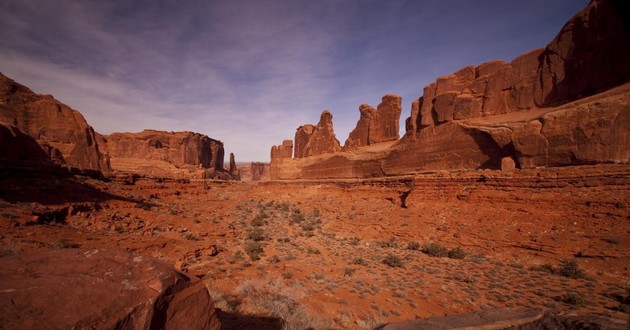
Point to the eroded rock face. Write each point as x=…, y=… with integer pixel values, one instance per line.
x=376, y=125
x=130, y=152
x=588, y=56
x=234, y=172
x=99, y=289
x=565, y=104
x=302, y=136
x=60, y=131
x=284, y=150
x=323, y=139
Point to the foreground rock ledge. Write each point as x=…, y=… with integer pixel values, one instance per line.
x=508, y=318
x=99, y=289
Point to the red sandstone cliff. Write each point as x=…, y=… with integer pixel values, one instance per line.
x=61, y=132
x=565, y=104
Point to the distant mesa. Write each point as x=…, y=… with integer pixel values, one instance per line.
x=166, y=154
x=565, y=104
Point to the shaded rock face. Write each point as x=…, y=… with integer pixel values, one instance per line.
x=323, y=139
x=302, y=136
x=20, y=149
x=376, y=125
x=99, y=289
x=260, y=171
x=589, y=55
x=60, y=131
x=176, y=148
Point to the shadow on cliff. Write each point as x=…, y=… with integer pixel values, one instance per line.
x=598, y=57
x=48, y=185
x=235, y=321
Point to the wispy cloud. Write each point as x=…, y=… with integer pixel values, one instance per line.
x=249, y=72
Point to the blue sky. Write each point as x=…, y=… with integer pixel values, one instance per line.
x=249, y=72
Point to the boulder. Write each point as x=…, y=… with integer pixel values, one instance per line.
x=101, y=289
x=507, y=164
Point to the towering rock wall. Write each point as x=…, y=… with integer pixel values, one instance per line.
x=61, y=131
x=589, y=55
x=565, y=104
x=376, y=125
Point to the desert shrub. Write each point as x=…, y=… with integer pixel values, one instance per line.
x=570, y=268
x=311, y=250
x=435, y=250
x=393, y=261
x=360, y=262
x=254, y=250
x=354, y=240
x=391, y=243
x=274, y=260
x=144, y=205
x=276, y=299
x=573, y=299
x=256, y=234
x=297, y=216
x=64, y=244
x=258, y=220
x=349, y=271
x=413, y=246
x=567, y=268
x=190, y=237
x=457, y=253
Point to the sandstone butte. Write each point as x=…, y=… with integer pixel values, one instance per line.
x=166, y=154
x=39, y=131
x=565, y=104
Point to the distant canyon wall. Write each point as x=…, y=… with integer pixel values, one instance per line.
x=564, y=104
x=160, y=153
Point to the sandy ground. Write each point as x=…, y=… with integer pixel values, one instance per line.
x=355, y=253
